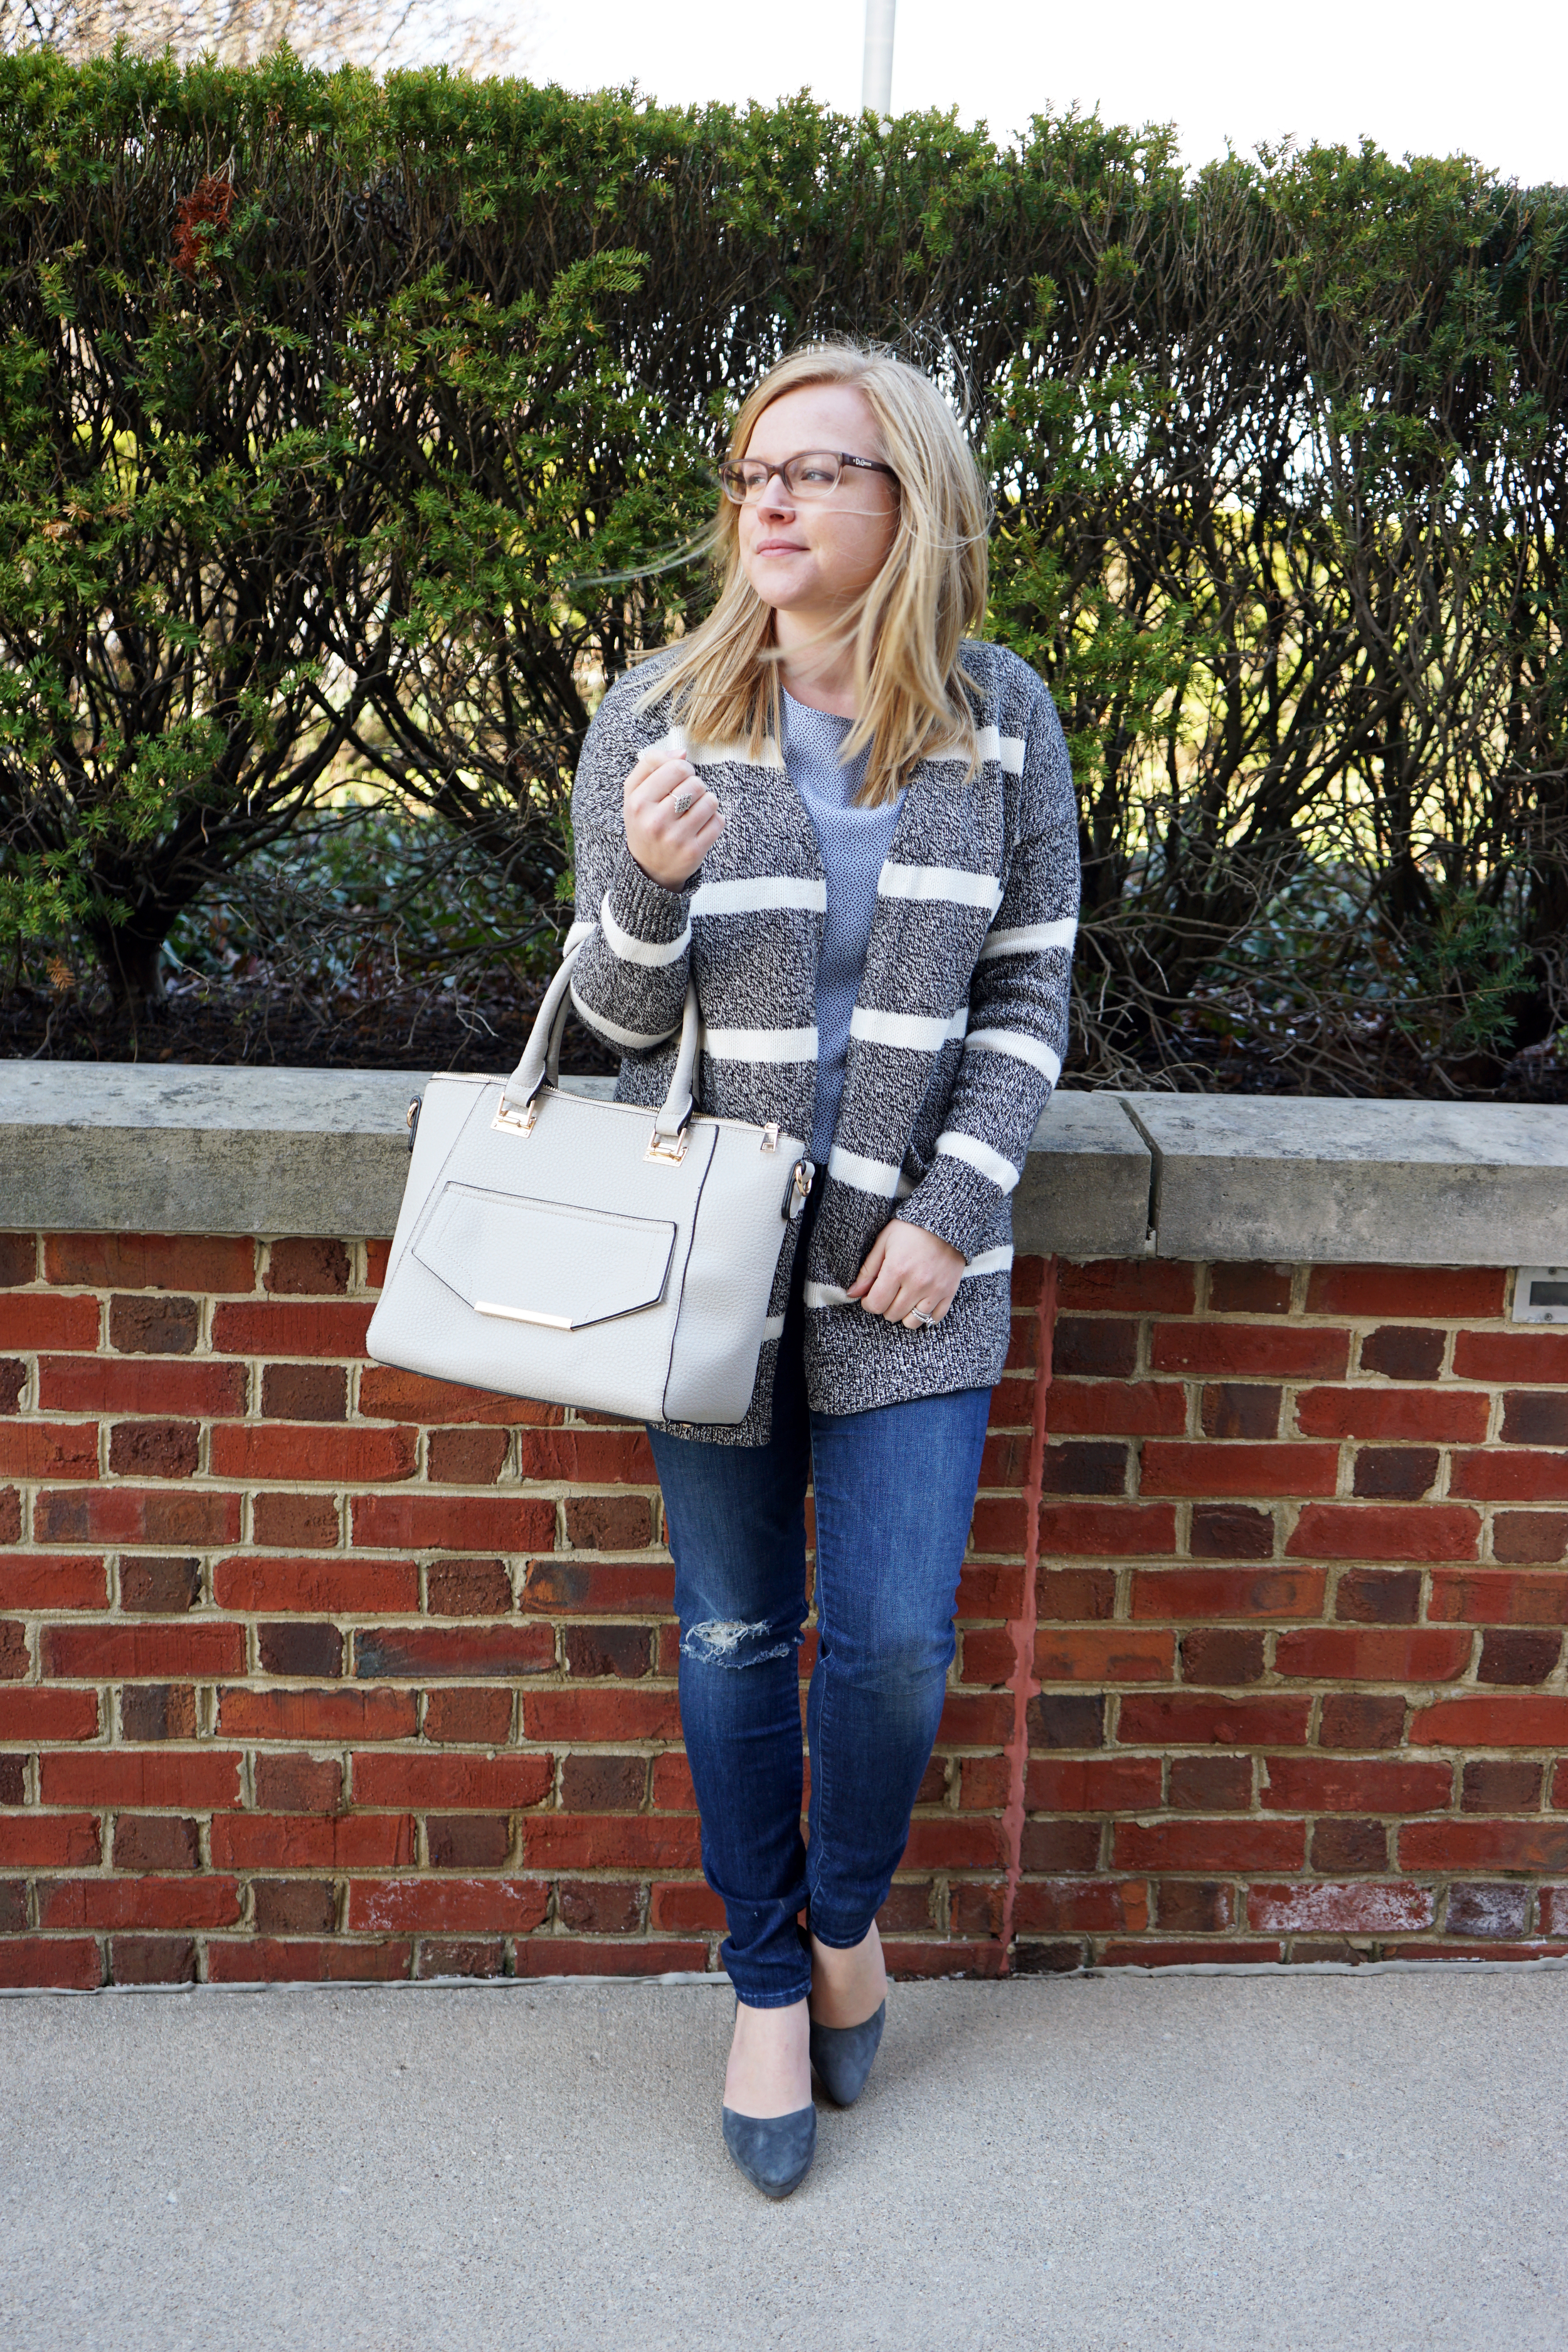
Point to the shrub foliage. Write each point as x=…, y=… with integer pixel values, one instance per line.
x=349, y=424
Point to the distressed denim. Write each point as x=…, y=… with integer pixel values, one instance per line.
x=895, y=1492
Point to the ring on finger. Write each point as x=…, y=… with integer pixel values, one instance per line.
x=919, y=1319
x=685, y=803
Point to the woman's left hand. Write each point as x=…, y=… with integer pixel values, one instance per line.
x=908, y=1275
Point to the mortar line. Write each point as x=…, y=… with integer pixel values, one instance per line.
x=1022, y=1628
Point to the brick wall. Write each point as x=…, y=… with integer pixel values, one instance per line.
x=310, y=1668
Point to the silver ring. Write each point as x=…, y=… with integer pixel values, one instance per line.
x=921, y=1320
x=685, y=803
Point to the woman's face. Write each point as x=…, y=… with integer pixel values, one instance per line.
x=813, y=558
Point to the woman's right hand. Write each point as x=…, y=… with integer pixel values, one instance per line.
x=669, y=845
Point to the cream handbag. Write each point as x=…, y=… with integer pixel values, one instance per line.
x=589, y=1253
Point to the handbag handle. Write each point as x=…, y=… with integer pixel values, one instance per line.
x=541, y=1059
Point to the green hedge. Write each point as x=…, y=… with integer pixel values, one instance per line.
x=348, y=421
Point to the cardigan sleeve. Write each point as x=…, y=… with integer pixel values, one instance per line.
x=1018, y=999
x=629, y=980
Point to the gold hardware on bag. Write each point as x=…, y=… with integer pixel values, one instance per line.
x=511, y=1122
x=670, y=1148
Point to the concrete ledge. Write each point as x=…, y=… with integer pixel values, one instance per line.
x=94, y=1147
x=1321, y=1178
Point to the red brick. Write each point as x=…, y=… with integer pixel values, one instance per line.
x=467, y=1955
x=1463, y=1294
x=34, y=1841
x=1175, y=1594
x=1230, y=1842
x=1498, y=1597
x=685, y=1908
x=1324, y=1784
x=157, y=1841
x=271, y=1327
x=1452, y=1416
x=299, y=1841
x=305, y=1392
x=465, y=1653
x=282, y=1907
x=35, y=1716
x=1395, y=1473
x=1066, y=1720
x=1501, y=1784
x=309, y=1522
x=1076, y=1467
x=1348, y=1845
x=1196, y=1906
x=1211, y=1784
x=133, y=1515
x=608, y=1522
x=469, y=1588
x=672, y=1788
x=1046, y=1905
x=1417, y=1654
x=1240, y=1409
x=1493, y=1722
x=588, y=1456
x=1117, y=1408
x=1183, y=1719
x=292, y=1784
x=1472, y=1845
x=1255, y=1350
x=1268, y=1470
x=300, y=1649
x=1105, y=1530
x=149, y=1261
x=1068, y=1596
x=19, y=1260
x=995, y=1588
x=561, y=1587
x=985, y=1782
x=1231, y=1531
x=388, y=1395
x=112, y=1653
x=549, y=1956
x=1117, y=1654
x=1357, y=1907
x=1224, y=1655
x=624, y=1712
x=968, y=1720
x=622, y=1652
x=1391, y=1531
x=154, y=1449
x=1499, y=1910
x=152, y=1960
x=306, y=1269
x=1511, y=1358
x=1356, y=1719
x=311, y=1452
x=205, y=1901
x=262, y=1960
x=48, y=1449
x=1494, y=1476
x=1249, y=1290
x=424, y=1782
x=604, y=1784
x=31, y=1580
x=191, y=1780
x=1517, y=1654
x=316, y=1587
x=1132, y=1285
x=1094, y=1349
x=157, y=1711
x=1530, y=1535
x=599, y=1907
x=616, y=1841
x=99, y=1384
x=1377, y=1597
x=13, y=1381
x=999, y=1526
x=32, y=1321
x=1051, y=1846
x=317, y=1715
x=499, y=1523
x=408, y=1906
x=1535, y=1418
x=467, y=1457
x=1554, y=1911
x=376, y=1255
x=478, y=1718
x=70, y=1963
x=1005, y=1459
x=159, y=1585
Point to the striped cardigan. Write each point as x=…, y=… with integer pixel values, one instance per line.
x=957, y=1035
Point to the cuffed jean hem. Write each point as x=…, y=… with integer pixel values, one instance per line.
x=842, y=1943
x=773, y=1999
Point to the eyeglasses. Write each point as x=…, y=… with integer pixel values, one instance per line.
x=815, y=474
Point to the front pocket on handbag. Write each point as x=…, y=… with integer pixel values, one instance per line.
x=541, y=1262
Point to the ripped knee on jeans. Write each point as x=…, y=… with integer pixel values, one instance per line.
x=723, y=1642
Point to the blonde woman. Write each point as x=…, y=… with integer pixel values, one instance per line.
x=854, y=829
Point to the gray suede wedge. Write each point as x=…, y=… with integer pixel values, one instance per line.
x=774, y=2152
x=842, y=2055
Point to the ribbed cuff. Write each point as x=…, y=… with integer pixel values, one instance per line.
x=955, y=1203
x=644, y=906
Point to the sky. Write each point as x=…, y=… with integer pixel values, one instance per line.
x=1417, y=79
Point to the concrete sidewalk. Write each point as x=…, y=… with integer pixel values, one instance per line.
x=1267, y=2162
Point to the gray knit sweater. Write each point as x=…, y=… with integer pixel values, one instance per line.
x=956, y=1041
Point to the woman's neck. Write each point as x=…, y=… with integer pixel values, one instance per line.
x=816, y=666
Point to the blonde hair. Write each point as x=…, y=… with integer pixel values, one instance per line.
x=910, y=624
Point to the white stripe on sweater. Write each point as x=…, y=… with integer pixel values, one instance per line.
x=633, y=1039
x=956, y=1145
x=1029, y=938
x=759, y=894
x=992, y=1261
x=576, y=935
x=913, y=1031
x=1007, y=750
x=1022, y=1049
x=955, y=884
x=879, y=1177
x=760, y=1044
x=773, y=1328
x=631, y=949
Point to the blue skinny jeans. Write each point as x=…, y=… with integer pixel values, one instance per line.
x=895, y=1492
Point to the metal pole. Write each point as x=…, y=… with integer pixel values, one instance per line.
x=876, y=79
